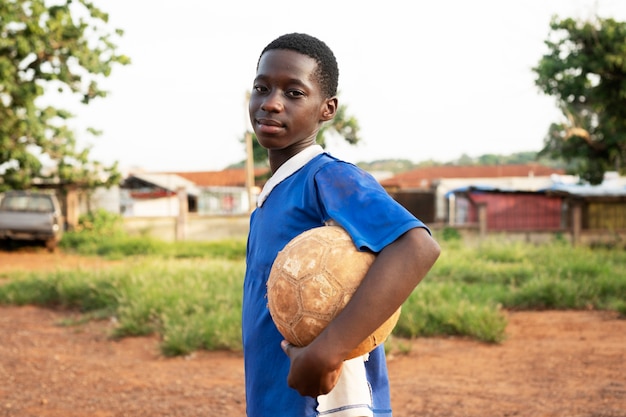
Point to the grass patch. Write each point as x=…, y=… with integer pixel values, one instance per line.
x=440, y=309
x=192, y=304
x=190, y=293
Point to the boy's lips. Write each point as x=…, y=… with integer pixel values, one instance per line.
x=269, y=122
x=269, y=125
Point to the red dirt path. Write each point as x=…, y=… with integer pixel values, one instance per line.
x=564, y=364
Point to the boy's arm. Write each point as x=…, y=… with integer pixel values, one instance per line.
x=397, y=270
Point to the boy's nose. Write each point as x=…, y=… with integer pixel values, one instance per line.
x=272, y=103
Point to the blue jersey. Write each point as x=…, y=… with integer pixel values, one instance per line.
x=323, y=189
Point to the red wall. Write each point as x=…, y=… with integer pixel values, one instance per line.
x=517, y=211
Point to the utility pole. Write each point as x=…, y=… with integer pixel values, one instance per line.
x=249, y=171
x=249, y=156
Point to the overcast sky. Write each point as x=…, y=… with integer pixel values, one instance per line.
x=425, y=79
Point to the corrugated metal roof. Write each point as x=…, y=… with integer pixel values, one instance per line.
x=586, y=190
x=609, y=188
x=171, y=182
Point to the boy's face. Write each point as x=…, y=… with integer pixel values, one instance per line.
x=287, y=106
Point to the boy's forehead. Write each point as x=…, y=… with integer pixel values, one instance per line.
x=286, y=61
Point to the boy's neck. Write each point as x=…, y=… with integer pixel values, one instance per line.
x=278, y=157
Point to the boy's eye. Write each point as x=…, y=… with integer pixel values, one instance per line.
x=259, y=88
x=295, y=93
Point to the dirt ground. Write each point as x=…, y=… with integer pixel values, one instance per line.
x=565, y=364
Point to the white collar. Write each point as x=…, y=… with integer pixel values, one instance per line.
x=289, y=167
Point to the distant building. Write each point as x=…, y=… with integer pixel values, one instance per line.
x=225, y=192
x=423, y=190
x=155, y=195
x=589, y=213
x=208, y=192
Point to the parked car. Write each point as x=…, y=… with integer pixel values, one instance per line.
x=31, y=216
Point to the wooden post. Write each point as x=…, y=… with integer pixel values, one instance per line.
x=451, y=209
x=181, y=219
x=482, y=219
x=577, y=221
x=249, y=172
x=71, y=209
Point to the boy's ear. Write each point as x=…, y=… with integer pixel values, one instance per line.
x=329, y=109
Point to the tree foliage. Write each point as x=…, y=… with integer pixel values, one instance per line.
x=585, y=70
x=49, y=48
x=343, y=124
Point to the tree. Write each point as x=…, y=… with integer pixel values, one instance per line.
x=585, y=70
x=46, y=48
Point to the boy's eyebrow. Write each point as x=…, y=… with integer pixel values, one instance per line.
x=297, y=81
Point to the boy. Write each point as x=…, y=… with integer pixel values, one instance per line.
x=293, y=94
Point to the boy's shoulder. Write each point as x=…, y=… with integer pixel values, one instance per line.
x=326, y=159
x=336, y=166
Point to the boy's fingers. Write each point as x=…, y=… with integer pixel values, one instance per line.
x=286, y=346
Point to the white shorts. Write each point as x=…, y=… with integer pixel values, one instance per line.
x=352, y=396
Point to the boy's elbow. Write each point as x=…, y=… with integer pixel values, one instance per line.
x=425, y=246
x=435, y=249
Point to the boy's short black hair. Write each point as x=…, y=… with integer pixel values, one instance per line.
x=327, y=71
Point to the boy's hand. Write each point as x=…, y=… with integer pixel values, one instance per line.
x=310, y=374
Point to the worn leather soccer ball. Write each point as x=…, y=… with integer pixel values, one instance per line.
x=311, y=281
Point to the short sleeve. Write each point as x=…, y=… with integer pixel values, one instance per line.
x=356, y=201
